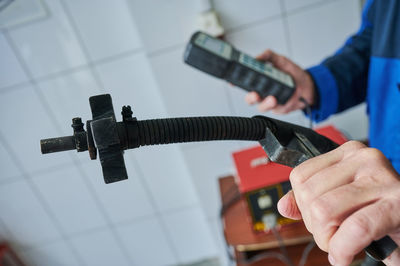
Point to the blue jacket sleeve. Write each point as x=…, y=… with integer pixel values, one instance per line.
x=341, y=80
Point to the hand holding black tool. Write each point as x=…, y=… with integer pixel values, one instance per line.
x=285, y=143
x=271, y=79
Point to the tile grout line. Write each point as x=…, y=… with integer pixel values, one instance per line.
x=82, y=45
x=109, y=223
x=286, y=29
x=16, y=86
x=72, y=70
x=91, y=64
x=165, y=50
x=307, y=7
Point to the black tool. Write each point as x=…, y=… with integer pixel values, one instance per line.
x=284, y=143
x=222, y=60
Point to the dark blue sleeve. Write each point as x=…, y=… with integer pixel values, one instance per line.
x=341, y=80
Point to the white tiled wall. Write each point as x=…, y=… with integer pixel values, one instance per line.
x=9, y=167
x=143, y=238
x=189, y=225
x=25, y=120
x=295, y=5
x=67, y=96
x=236, y=13
x=50, y=254
x=65, y=189
x=24, y=215
x=55, y=209
x=327, y=35
x=12, y=72
x=106, y=27
x=122, y=201
x=64, y=53
x=105, y=252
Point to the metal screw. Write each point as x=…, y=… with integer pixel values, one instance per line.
x=126, y=113
x=77, y=124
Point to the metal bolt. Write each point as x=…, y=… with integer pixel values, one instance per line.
x=77, y=124
x=126, y=113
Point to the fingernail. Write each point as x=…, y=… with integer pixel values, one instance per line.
x=281, y=206
x=331, y=259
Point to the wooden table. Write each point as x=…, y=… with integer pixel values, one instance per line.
x=248, y=244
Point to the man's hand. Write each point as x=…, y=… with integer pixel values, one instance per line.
x=347, y=198
x=304, y=86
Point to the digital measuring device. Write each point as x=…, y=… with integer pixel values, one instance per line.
x=222, y=60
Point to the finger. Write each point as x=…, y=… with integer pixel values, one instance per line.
x=307, y=169
x=317, y=176
x=329, y=178
x=266, y=55
x=277, y=60
x=310, y=195
x=287, y=206
x=333, y=207
x=304, y=171
x=361, y=228
x=268, y=103
x=289, y=106
x=328, y=211
x=252, y=97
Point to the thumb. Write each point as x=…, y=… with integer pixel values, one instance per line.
x=267, y=55
x=394, y=258
x=287, y=206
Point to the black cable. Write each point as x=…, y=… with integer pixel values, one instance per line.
x=282, y=246
x=267, y=255
x=306, y=252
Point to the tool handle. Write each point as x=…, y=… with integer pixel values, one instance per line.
x=57, y=144
x=381, y=249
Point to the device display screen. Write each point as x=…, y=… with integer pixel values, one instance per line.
x=265, y=69
x=214, y=45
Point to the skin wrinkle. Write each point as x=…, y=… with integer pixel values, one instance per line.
x=355, y=204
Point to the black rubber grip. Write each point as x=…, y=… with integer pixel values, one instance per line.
x=381, y=249
x=175, y=130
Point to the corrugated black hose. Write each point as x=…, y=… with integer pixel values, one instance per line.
x=190, y=129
